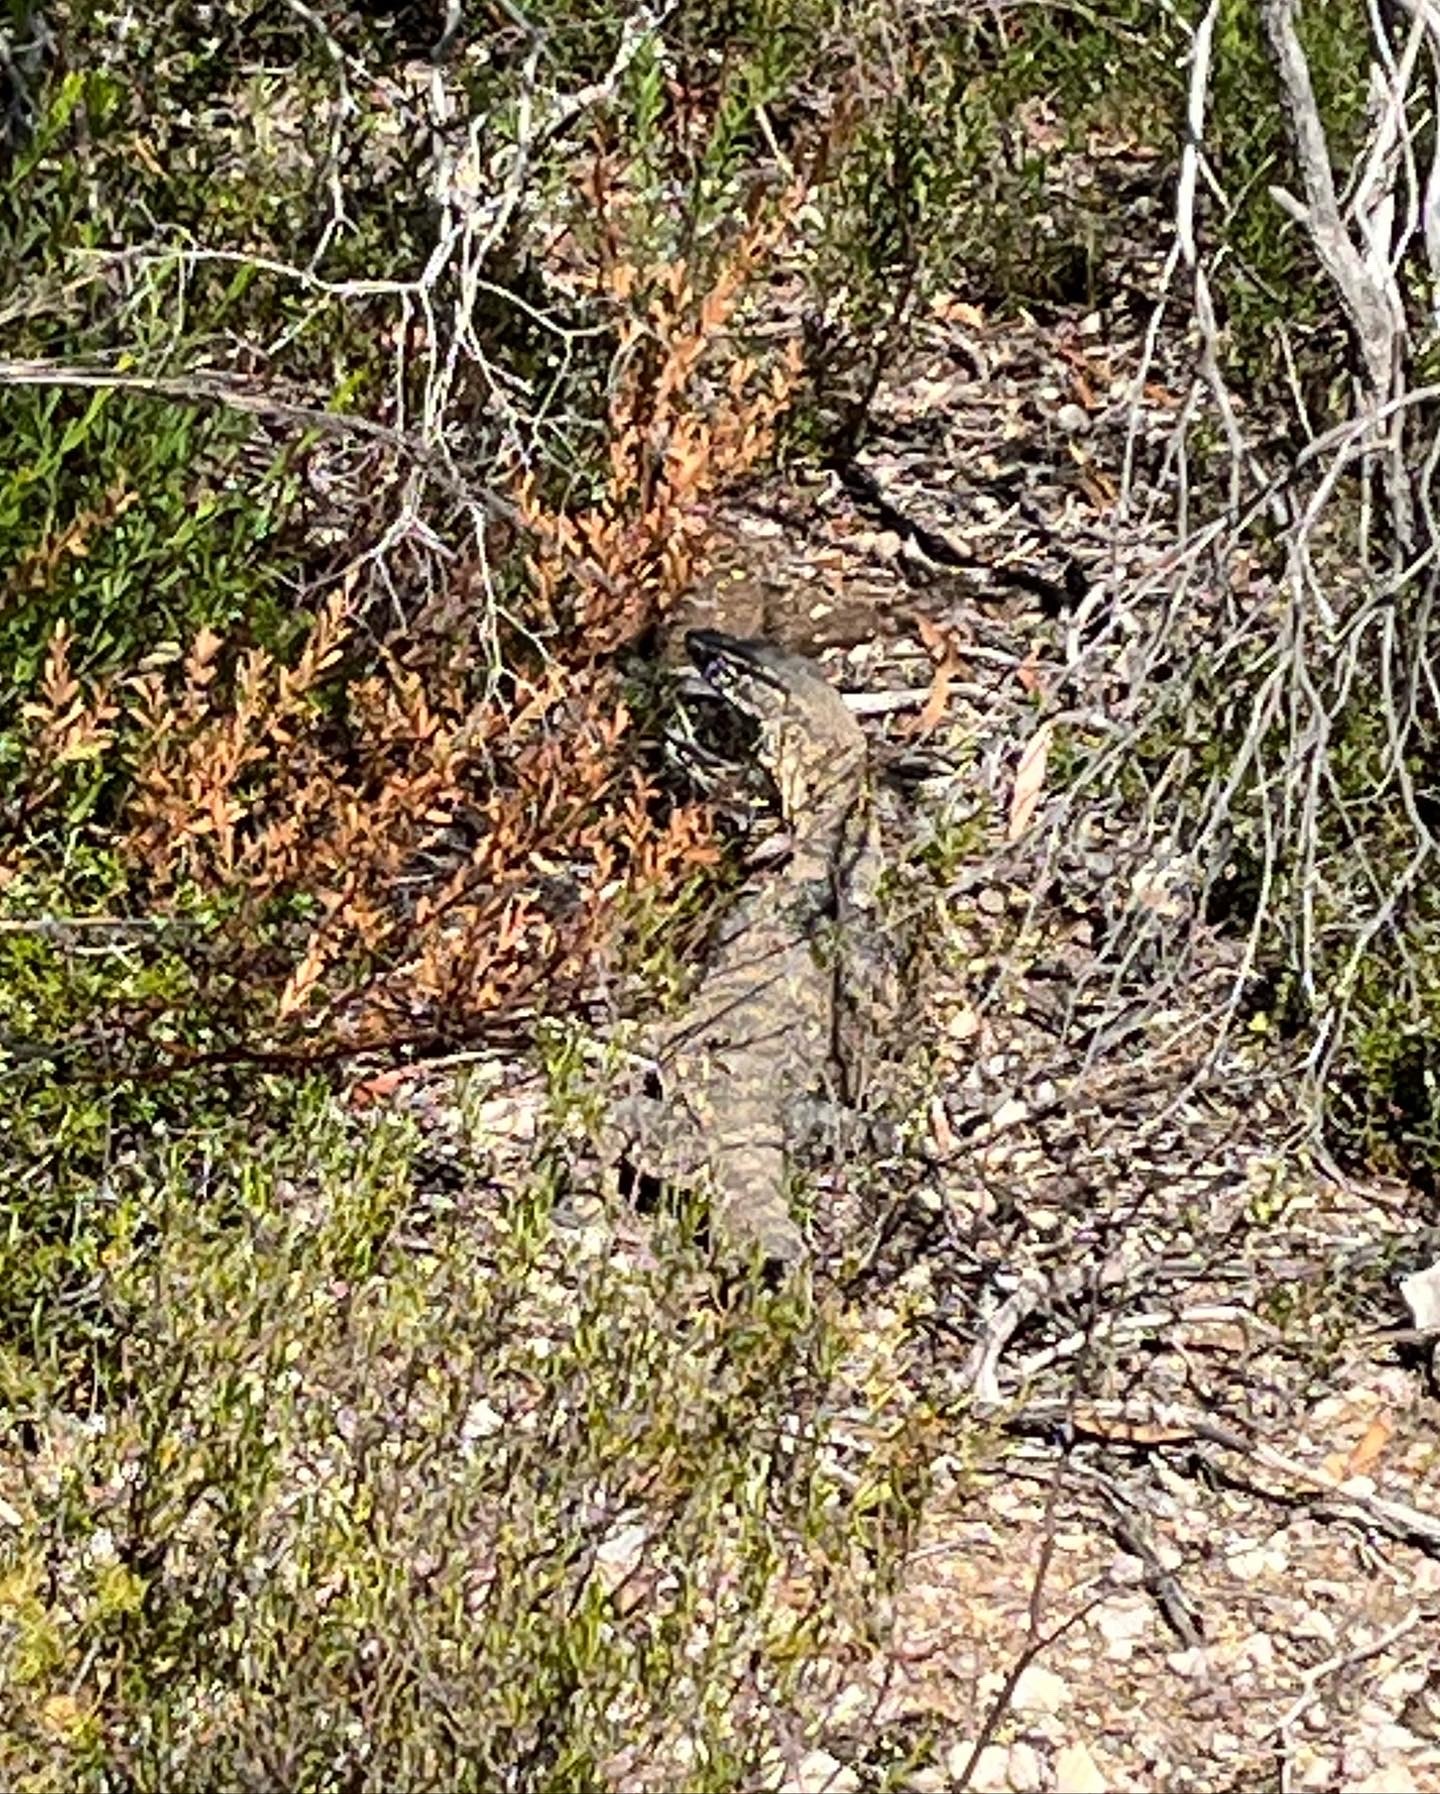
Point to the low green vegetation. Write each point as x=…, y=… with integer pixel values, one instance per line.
x=344, y=1466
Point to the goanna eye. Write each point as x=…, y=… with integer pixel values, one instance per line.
x=714, y=669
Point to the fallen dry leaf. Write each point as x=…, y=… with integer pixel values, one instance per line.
x=1095, y=490
x=940, y=645
x=1028, y=673
x=957, y=311
x=1029, y=780
x=1088, y=366
x=376, y=1089
x=1373, y=1442
x=941, y=1130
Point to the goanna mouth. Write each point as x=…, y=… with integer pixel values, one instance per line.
x=728, y=663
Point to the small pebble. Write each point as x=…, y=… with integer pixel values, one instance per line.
x=991, y=1774
x=1040, y=1690
x=818, y=1772
x=1023, y=1772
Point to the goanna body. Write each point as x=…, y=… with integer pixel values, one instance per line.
x=740, y=1069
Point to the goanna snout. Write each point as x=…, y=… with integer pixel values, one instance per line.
x=733, y=666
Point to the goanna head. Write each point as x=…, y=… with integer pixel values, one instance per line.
x=809, y=743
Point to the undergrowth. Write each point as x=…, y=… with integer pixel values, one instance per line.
x=375, y=1482
x=366, y=414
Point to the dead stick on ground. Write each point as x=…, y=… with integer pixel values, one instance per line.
x=1333, y=1665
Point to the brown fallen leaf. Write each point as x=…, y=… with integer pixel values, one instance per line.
x=1372, y=1443
x=1092, y=365
x=940, y=645
x=1094, y=1423
x=1096, y=484
x=1029, y=780
x=941, y=1130
x=956, y=311
x=375, y=1089
x=1028, y=673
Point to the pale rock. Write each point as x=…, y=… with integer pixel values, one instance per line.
x=1389, y=1778
x=1122, y=1624
x=1397, y=1740
x=1401, y=1683
x=1251, y=1562
x=1073, y=419
x=1076, y=1771
x=991, y=1773
x=618, y=1556
x=481, y=1422
x=1312, y=1769
x=1040, y=1690
x=964, y=1024
x=1421, y=1295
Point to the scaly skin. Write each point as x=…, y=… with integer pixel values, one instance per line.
x=759, y=1037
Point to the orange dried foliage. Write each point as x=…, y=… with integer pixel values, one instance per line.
x=689, y=414
x=36, y=570
x=407, y=856
x=461, y=860
x=69, y=722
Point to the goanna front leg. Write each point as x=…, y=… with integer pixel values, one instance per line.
x=645, y=1133
x=743, y=1181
